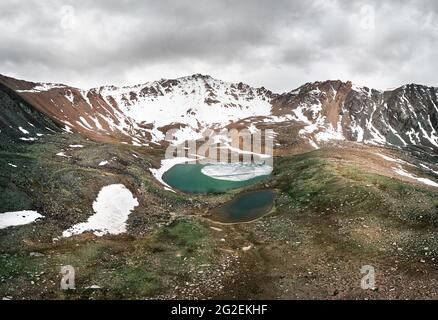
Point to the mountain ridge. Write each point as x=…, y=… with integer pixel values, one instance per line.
x=322, y=110
x=9, y=79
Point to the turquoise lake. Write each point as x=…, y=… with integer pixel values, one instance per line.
x=190, y=178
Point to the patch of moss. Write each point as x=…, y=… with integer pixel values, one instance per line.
x=123, y=267
x=314, y=184
x=183, y=232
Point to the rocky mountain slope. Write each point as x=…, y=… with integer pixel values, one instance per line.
x=334, y=110
x=142, y=114
x=323, y=111
x=20, y=121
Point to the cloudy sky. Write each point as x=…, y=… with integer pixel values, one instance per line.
x=277, y=44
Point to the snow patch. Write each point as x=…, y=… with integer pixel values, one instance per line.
x=329, y=135
x=70, y=97
x=112, y=208
x=427, y=168
x=43, y=87
x=18, y=218
x=185, y=134
x=29, y=139
x=404, y=173
x=23, y=130
x=390, y=159
x=68, y=129
x=62, y=154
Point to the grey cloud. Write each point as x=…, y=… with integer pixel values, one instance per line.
x=278, y=44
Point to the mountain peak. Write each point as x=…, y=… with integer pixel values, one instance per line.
x=200, y=76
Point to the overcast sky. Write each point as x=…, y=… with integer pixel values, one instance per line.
x=277, y=44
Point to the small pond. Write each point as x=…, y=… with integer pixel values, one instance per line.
x=244, y=207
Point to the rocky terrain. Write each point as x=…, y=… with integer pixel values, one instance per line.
x=355, y=177
x=330, y=110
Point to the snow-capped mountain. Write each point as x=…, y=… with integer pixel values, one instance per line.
x=197, y=101
x=142, y=113
x=322, y=111
x=335, y=110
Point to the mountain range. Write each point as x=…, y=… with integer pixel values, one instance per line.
x=320, y=111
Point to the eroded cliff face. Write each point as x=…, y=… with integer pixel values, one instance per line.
x=20, y=121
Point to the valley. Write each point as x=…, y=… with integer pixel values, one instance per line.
x=345, y=191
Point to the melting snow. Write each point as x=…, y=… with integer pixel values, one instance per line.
x=358, y=131
x=68, y=129
x=329, y=135
x=430, y=169
x=390, y=159
x=394, y=160
x=84, y=95
x=185, y=134
x=62, y=154
x=29, y=139
x=313, y=144
x=404, y=173
x=112, y=208
x=235, y=171
x=43, y=87
x=195, y=102
x=188, y=97
x=84, y=123
x=18, y=218
x=23, y=130
x=70, y=96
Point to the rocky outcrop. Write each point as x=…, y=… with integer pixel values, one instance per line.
x=20, y=121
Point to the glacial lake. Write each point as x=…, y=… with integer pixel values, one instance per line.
x=214, y=178
x=245, y=207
